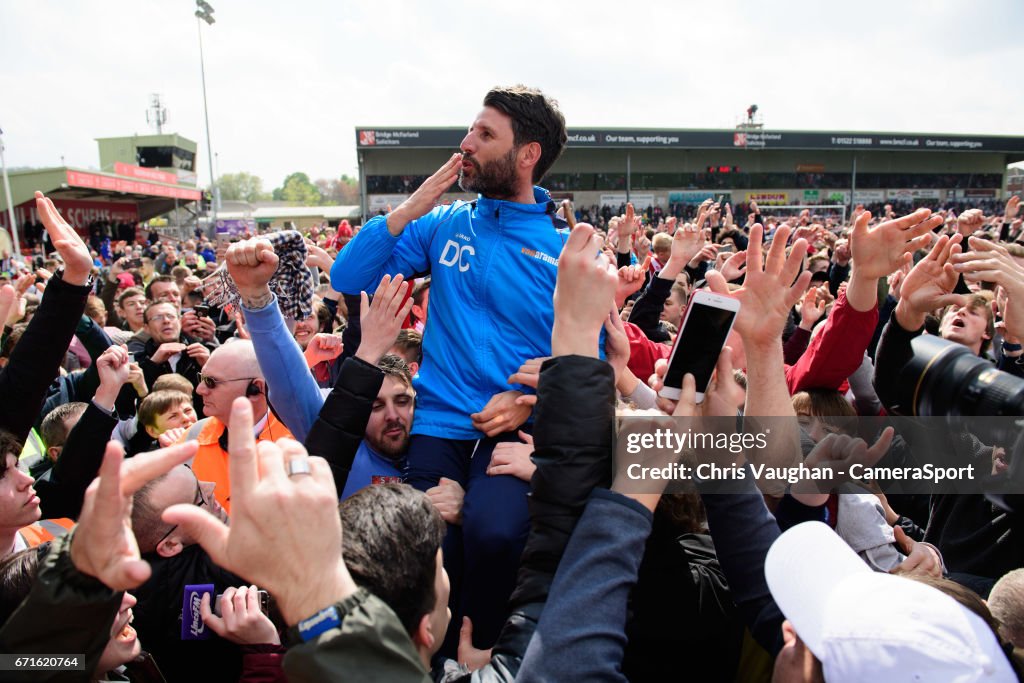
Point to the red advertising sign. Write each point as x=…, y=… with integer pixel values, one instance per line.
x=78, y=212
x=114, y=184
x=145, y=173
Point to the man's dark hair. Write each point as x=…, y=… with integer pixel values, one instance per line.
x=129, y=292
x=159, y=278
x=410, y=343
x=535, y=118
x=9, y=445
x=52, y=429
x=146, y=518
x=392, y=535
x=17, y=574
x=396, y=366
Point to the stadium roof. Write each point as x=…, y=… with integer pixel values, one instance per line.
x=370, y=137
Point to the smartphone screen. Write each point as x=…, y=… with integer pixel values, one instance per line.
x=699, y=345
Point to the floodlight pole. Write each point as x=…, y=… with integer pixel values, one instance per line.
x=10, y=205
x=203, y=13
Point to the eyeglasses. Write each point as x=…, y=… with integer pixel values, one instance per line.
x=212, y=382
x=162, y=317
x=198, y=501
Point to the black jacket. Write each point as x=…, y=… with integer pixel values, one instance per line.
x=62, y=488
x=158, y=618
x=37, y=356
x=187, y=366
x=341, y=425
x=646, y=313
x=681, y=610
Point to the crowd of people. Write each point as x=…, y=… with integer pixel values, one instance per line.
x=386, y=453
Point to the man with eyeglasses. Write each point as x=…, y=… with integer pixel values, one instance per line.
x=231, y=372
x=168, y=349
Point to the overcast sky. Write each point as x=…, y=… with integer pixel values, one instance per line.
x=289, y=81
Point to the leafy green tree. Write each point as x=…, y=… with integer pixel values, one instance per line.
x=241, y=187
x=297, y=189
x=342, y=191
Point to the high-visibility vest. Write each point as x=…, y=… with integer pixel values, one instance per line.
x=46, y=530
x=211, y=461
x=34, y=452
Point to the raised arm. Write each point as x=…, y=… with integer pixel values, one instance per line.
x=36, y=358
x=341, y=424
x=292, y=390
x=398, y=243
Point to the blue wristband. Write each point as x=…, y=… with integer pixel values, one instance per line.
x=322, y=621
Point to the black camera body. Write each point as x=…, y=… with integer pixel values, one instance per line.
x=945, y=379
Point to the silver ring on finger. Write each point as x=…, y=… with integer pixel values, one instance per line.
x=299, y=466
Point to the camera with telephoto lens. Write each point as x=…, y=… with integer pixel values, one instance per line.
x=945, y=379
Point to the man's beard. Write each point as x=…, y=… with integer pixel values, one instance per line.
x=389, y=448
x=496, y=179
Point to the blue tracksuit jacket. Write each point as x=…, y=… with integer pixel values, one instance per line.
x=493, y=266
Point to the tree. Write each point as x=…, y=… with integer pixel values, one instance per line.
x=297, y=189
x=342, y=191
x=241, y=187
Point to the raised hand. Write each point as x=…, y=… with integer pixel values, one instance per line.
x=113, y=366
x=631, y=279
x=769, y=291
x=382, y=319
x=251, y=263
x=883, y=249
x=970, y=221
x=1012, y=209
x=9, y=303
x=72, y=250
x=422, y=201
x=735, y=266
x=688, y=241
x=838, y=452
x=318, y=257
x=323, y=347
x=104, y=546
x=584, y=292
x=990, y=262
x=929, y=284
x=812, y=307
x=616, y=344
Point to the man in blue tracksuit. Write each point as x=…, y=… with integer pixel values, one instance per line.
x=493, y=264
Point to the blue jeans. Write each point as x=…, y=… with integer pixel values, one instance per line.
x=482, y=556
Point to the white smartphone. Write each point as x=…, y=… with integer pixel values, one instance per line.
x=706, y=325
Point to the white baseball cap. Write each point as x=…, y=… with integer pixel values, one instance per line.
x=868, y=626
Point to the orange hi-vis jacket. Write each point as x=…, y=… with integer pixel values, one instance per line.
x=45, y=530
x=211, y=461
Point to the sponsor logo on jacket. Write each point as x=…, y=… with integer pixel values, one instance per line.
x=455, y=253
